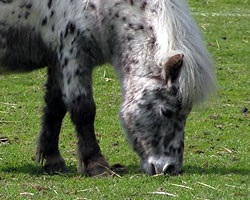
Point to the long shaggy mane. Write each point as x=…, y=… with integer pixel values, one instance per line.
x=177, y=32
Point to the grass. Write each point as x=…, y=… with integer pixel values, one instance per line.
x=217, y=142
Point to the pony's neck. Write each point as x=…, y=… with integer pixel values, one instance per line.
x=129, y=38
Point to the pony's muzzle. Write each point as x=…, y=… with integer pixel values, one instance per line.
x=159, y=166
x=168, y=169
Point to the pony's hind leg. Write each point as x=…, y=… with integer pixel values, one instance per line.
x=54, y=112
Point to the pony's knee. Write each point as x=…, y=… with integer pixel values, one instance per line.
x=82, y=110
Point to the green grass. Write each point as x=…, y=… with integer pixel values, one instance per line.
x=217, y=145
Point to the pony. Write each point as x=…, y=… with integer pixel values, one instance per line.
x=156, y=49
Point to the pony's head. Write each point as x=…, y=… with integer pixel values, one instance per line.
x=154, y=119
x=162, y=82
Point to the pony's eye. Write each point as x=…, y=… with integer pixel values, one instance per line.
x=173, y=90
x=166, y=112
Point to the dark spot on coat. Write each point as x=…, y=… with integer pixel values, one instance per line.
x=70, y=29
x=49, y=4
x=44, y=21
x=28, y=6
x=26, y=15
x=143, y=6
x=92, y=6
x=52, y=13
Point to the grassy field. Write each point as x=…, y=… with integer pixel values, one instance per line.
x=217, y=145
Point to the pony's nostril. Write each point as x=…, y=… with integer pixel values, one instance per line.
x=153, y=170
x=169, y=169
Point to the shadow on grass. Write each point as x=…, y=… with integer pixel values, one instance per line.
x=36, y=170
x=193, y=169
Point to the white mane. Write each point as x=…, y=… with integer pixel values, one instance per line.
x=177, y=32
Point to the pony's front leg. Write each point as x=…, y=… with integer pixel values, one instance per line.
x=82, y=109
x=54, y=112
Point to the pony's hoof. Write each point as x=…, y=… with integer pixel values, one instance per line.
x=55, y=168
x=54, y=164
x=96, y=167
x=98, y=171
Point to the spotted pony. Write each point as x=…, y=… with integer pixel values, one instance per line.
x=154, y=46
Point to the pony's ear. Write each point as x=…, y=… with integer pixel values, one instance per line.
x=171, y=70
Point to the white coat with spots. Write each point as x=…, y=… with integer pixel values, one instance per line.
x=154, y=46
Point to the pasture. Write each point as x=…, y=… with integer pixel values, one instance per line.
x=217, y=140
